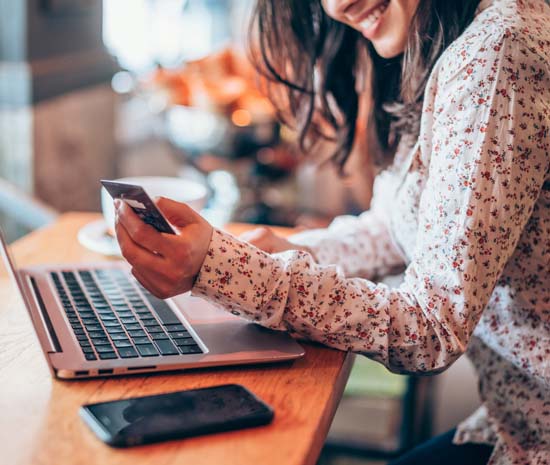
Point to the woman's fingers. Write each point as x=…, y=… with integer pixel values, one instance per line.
x=143, y=280
x=134, y=253
x=162, y=286
x=255, y=234
x=263, y=238
x=267, y=240
x=152, y=285
x=140, y=232
x=177, y=213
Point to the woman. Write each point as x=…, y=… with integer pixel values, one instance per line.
x=460, y=117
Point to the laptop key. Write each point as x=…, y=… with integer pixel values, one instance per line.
x=154, y=329
x=85, y=310
x=137, y=333
x=147, y=350
x=123, y=343
x=100, y=341
x=102, y=306
x=190, y=349
x=85, y=343
x=127, y=313
x=108, y=355
x=159, y=336
x=81, y=337
x=93, y=327
x=127, y=352
x=184, y=342
x=141, y=340
x=164, y=312
x=128, y=320
x=144, y=313
x=82, y=306
x=173, y=328
x=104, y=311
x=96, y=334
x=119, y=337
x=90, y=357
x=132, y=326
x=115, y=329
x=87, y=350
x=103, y=349
x=86, y=313
x=166, y=347
x=180, y=334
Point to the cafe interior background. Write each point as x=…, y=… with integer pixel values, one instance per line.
x=93, y=89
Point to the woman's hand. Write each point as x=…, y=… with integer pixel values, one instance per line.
x=265, y=239
x=165, y=264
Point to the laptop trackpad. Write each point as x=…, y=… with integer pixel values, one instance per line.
x=199, y=311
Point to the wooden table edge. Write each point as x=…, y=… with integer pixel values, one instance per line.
x=330, y=410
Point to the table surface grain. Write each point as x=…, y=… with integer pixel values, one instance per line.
x=39, y=422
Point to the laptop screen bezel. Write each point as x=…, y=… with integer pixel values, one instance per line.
x=13, y=270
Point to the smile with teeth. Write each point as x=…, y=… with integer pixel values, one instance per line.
x=374, y=16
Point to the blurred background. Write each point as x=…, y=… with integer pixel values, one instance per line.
x=93, y=89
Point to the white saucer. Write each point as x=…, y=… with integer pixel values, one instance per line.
x=94, y=236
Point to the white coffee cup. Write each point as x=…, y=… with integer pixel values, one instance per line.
x=192, y=193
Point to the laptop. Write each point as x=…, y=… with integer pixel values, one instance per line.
x=96, y=320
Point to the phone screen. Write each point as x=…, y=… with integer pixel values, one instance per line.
x=180, y=414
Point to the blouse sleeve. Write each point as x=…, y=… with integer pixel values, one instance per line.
x=488, y=160
x=361, y=246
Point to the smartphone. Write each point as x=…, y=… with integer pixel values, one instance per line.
x=144, y=420
x=140, y=202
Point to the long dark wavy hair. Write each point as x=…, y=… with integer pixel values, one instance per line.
x=312, y=66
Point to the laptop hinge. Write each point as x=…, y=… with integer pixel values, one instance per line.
x=53, y=342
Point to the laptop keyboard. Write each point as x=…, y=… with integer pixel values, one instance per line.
x=113, y=317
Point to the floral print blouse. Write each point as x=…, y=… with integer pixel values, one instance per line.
x=467, y=211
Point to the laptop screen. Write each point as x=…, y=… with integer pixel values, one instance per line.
x=11, y=266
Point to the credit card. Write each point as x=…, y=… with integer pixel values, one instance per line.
x=136, y=197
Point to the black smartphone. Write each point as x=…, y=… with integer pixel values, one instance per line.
x=140, y=202
x=144, y=420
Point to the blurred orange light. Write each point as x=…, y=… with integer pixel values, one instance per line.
x=241, y=118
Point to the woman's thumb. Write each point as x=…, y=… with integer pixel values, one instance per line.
x=177, y=213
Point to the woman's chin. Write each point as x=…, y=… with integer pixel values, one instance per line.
x=388, y=48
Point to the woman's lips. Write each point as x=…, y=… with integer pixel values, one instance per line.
x=357, y=16
x=369, y=25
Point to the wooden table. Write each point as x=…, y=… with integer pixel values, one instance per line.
x=39, y=423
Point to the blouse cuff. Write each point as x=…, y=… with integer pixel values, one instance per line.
x=236, y=275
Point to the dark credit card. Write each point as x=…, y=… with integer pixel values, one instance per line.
x=140, y=202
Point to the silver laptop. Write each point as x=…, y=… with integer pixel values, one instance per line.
x=97, y=320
